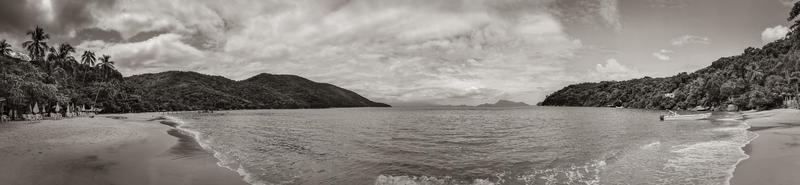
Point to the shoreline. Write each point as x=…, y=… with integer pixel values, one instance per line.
x=107, y=149
x=774, y=155
x=177, y=124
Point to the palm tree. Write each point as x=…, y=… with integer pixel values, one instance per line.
x=5, y=48
x=52, y=55
x=106, y=65
x=88, y=58
x=65, y=59
x=65, y=51
x=38, y=44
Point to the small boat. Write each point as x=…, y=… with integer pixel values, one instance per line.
x=676, y=117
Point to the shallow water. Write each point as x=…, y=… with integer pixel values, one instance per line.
x=537, y=145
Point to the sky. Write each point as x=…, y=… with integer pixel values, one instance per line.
x=409, y=52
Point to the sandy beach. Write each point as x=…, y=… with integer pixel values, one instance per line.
x=102, y=150
x=775, y=153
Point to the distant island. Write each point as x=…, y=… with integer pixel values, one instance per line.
x=504, y=103
x=760, y=78
x=52, y=80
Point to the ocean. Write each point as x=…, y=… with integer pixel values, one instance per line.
x=462, y=145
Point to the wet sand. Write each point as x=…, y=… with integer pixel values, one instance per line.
x=120, y=151
x=775, y=153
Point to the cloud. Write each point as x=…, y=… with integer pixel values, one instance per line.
x=774, y=33
x=165, y=51
x=613, y=70
x=605, y=12
x=662, y=54
x=609, y=10
x=448, y=51
x=690, y=39
x=668, y=3
x=788, y=2
x=61, y=17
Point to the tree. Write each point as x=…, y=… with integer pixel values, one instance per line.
x=793, y=14
x=38, y=44
x=64, y=58
x=65, y=52
x=106, y=66
x=5, y=48
x=88, y=58
x=794, y=78
x=754, y=73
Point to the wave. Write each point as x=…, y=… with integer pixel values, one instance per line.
x=753, y=136
x=179, y=125
x=588, y=174
x=574, y=174
x=693, y=160
x=425, y=180
x=651, y=145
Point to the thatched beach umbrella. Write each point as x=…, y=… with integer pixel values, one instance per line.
x=2, y=105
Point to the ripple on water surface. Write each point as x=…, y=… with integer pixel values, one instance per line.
x=541, y=145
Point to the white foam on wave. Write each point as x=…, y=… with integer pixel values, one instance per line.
x=652, y=145
x=711, y=161
x=246, y=176
x=425, y=180
x=752, y=136
x=586, y=174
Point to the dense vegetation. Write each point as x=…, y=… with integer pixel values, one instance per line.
x=175, y=90
x=52, y=75
x=760, y=78
x=49, y=75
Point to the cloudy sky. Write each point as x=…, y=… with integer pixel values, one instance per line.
x=409, y=51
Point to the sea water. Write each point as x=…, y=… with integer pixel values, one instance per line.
x=534, y=145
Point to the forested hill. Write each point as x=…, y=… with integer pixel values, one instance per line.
x=50, y=76
x=177, y=90
x=760, y=78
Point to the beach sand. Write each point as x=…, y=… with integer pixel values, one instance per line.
x=120, y=151
x=775, y=153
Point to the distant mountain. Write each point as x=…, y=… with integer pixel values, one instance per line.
x=177, y=90
x=504, y=103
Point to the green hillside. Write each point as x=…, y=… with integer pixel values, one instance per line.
x=760, y=78
x=47, y=76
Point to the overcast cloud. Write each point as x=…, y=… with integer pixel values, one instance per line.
x=448, y=51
